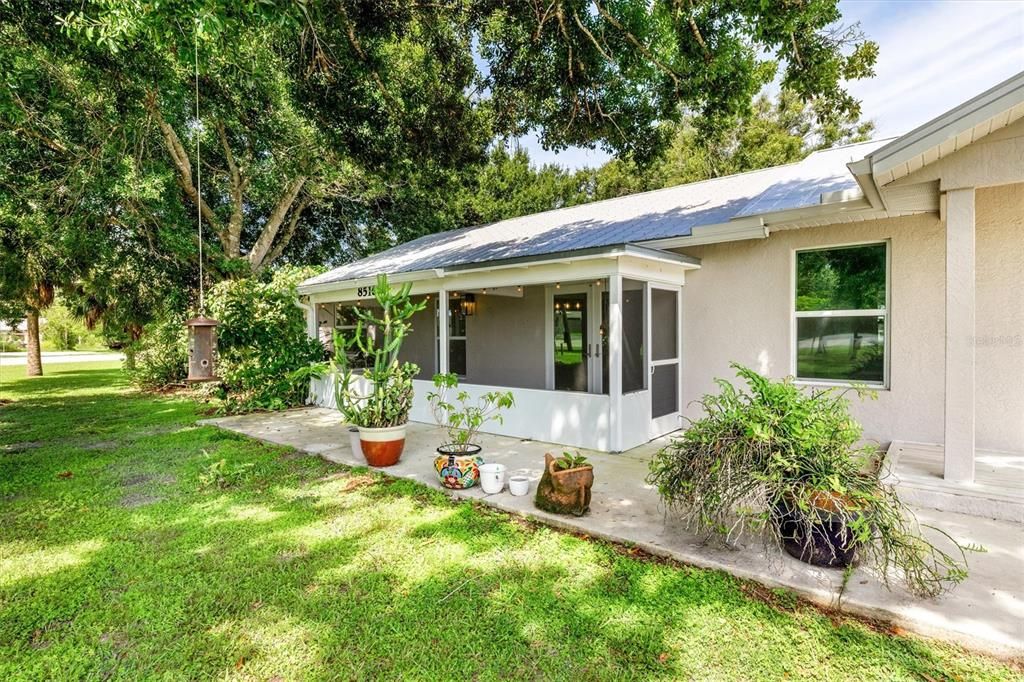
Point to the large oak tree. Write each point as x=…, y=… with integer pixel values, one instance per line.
x=337, y=122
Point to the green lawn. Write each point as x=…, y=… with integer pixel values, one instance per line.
x=122, y=556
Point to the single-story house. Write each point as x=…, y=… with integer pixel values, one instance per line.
x=895, y=263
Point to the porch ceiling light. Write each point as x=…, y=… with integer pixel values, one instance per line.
x=468, y=304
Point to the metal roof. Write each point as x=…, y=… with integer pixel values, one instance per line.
x=659, y=214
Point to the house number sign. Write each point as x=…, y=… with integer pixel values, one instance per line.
x=364, y=292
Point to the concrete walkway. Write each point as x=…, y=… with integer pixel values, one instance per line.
x=986, y=612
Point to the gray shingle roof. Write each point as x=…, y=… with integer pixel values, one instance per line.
x=664, y=213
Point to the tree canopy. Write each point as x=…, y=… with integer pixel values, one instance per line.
x=327, y=129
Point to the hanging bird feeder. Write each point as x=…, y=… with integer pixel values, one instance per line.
x=202, y=349
x=202, y=331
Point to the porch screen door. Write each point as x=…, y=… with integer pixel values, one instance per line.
x=665, y=366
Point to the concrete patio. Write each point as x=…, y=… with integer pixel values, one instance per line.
x=986, y=612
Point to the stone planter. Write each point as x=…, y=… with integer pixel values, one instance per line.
x=564, y=492
x=382, y=447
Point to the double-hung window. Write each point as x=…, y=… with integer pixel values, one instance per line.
x=841, y=314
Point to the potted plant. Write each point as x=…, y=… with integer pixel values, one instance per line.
x=376, y=400
x=564, y=487
x=777, y=459
x=458, y=460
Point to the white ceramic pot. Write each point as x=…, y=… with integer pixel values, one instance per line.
x=519, y=485
x=492, y=477
x=353, y=441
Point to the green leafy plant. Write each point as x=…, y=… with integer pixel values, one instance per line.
x=160, y=354
x=221, y=475
x=772, y=447
x=261, y=341
x=570, y=459
x=462, y=417
x=381, y=395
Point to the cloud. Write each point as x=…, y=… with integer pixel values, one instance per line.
x=935, y=55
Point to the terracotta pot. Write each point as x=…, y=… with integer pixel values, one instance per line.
x=458, y=468
x=829, y=542
x=566, y=491
x=382, y=447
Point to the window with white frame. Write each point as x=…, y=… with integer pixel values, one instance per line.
x=456, y=336
x=841, y=310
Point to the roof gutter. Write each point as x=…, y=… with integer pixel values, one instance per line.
x=639, y=250
x=864, y=174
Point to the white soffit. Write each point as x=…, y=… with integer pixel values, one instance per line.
x=993, y=109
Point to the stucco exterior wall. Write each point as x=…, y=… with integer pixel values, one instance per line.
x=738, y=307
x=419, y=346
x=505, y=340
x=999, y=343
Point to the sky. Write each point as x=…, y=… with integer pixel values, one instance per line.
x=933, y=55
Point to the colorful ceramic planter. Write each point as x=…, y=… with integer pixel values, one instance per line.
x=458, y=468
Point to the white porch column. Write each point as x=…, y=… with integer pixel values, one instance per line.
x=615, y=361
x=442, y=331
x=960, y=264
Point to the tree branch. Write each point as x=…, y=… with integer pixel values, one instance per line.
x=277, y=216
x=179, y=157
x=234, y=230
x=289, y=231
x=637, y=44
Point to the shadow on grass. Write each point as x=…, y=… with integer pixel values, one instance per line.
x=295, y=570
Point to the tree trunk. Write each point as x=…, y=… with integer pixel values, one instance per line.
x=129, y=358
x=34, y=362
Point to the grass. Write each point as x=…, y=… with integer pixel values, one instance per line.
x=129, y=551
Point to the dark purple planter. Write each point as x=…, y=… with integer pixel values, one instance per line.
x=830, y=544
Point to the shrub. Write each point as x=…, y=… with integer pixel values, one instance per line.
x=261, y=341
x=161, y=354
x=759, y=451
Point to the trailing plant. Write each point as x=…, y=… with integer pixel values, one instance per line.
x=381, y=395
x=461, y=417
x=760, y=450
x=570, y=460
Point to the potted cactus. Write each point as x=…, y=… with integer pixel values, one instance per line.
x=378, y=400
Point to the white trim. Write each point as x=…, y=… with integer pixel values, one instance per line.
x=885, y=312
x=889, y=162
x=442, y=331
x=873, y=312
x=614, y=327
x=633, y=250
